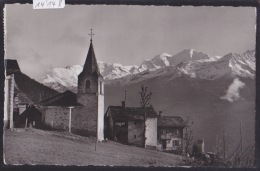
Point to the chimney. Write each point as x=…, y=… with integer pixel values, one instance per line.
x=160, y=113
x=123, y=104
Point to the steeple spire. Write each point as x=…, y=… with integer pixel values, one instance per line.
x=91, y=65
x=91, y=35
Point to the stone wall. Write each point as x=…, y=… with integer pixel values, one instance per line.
x=56, y=117
x=92, y=113
x=82, y=83
x=86, y=118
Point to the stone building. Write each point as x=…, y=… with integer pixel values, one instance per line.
x=126, y=125
x=81, y=113
x=170, y=133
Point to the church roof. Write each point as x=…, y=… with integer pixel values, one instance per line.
x=11, y=66
x=91, y=65
x=22, y=98
x=31, y=89
x=64, y=99
x=131, y=113
x=170, y=121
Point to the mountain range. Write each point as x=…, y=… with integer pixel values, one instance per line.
x=215, y=92
x=188, y=62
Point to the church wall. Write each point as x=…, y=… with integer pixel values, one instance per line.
x=101, y=111
x=56, y=117
x=82, y=84
x=87, y=124
x=101, y=114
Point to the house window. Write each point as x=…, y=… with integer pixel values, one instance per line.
x=176, y=132
x=175, y=143
x=164, y=132
x=87, y=84
x=101, y=87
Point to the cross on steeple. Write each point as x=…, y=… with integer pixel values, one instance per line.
x=91, y=35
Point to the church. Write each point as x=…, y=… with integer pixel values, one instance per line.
x=81, y=113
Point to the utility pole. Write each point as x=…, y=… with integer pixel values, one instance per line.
x=70, y=119
x=11, y=102
x=224, y=144
x=125, y=95
x=241, y=138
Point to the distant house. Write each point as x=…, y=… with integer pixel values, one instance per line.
x=126, y=125
x=21, y=92
x=170, y=133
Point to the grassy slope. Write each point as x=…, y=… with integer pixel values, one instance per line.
x=31, y=146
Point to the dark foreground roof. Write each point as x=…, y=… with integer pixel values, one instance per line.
x=170, y=121
x=28, y=90
x=131, y=113
x=67, y=98
x=32, y=89
x=11, y=66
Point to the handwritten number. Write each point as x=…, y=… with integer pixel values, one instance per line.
x=49, y=3
x=37, y=5
x=60, y=3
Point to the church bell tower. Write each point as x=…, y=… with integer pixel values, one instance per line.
x=91, y=95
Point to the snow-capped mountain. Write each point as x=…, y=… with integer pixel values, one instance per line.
x=159, y=61
x=204, y=67
x=186, y=56
x=188, y=62
x=244, y=64
x=67, y=78
x=62, y=79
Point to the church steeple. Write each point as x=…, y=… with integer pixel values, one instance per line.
x=91, y=65
x=91, y=96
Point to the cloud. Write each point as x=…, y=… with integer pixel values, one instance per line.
x=232, y=92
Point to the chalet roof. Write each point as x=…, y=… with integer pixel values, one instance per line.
x=91, y=65
x=11, y=66
x=131, y=113
x=32, y=89
x=170, y=121
x=66, y=98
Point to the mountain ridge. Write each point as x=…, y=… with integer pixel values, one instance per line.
x=187, y=62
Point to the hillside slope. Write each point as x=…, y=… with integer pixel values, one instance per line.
x=31, y=146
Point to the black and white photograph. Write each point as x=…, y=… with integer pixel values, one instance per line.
x=130, y=85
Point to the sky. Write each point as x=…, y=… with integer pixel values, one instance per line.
x=44, y=39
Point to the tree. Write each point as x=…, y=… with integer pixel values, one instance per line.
x=145, y=98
